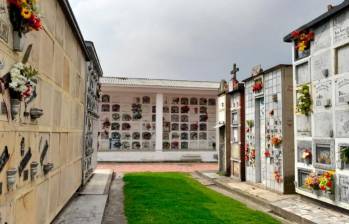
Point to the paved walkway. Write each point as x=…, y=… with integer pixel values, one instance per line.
x=158, y=167
x=292, y=207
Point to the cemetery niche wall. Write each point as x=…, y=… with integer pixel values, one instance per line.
x=41, y=129
x=322, y=107
x=91, y=112
x=269, y=128
x=157, y=120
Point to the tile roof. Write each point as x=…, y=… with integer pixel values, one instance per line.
x=160, y=83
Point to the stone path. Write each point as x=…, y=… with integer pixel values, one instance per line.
x=88, y=207
x=291, y=207
x=158, y=167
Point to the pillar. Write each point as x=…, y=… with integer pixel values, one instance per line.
x=159, y=121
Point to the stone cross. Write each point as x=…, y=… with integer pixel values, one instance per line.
x=234, y=71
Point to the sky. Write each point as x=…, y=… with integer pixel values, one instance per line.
x=192, y=39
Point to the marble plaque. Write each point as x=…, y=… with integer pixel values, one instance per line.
x=322, y=37
x=303, y=125
x=323, y=154
x=341, y=27
x=302, y=74
x=342, y=91
x=342, y=124
x=343, y=188
x=342, y=59
x=323, y=125
x=321, y=66
x=322, y=94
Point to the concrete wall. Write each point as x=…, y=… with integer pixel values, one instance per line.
x=61, y=63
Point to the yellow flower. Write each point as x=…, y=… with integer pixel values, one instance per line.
x=301, y=46
x=26, y=13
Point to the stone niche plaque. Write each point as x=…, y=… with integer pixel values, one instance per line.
x=302, y=146
x=302, y=175
x=342, y=124
x=323, y=154
x=322, y=37
x=342, y=54
x=323, y=125
x=341, y=27
x=343, y=188
x=302, y=74
x=342, y=91
x=321, y=66
x=303, y=125
x=323, y=94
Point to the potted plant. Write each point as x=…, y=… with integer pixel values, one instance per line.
x=24, y=17
x=307, y=156
x=304, y=101
x=344, y=156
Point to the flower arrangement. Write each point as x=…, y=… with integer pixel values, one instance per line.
x=276, y=141
x=257, y=86
x=302, y=40
x=24, y=15
x=253, y=154
x=312, y=182
x=267, y=154
x=304, y=100
x=326, y=182
x=307, y=155
x=22, y=82
x=277, y=176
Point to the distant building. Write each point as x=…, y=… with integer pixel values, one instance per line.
x=321, y=91
x=157, y=120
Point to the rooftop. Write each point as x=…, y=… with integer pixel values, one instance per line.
x=321, y=19
x=160, y=83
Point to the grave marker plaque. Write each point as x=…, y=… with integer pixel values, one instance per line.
x=319, y=64
x=303, y=125
x=302, y=74
x=342, y=124
x=323, y=94
x=341, y=27
x=323, y=124
x=342, y=91
x=343, y=188
x=322, y=37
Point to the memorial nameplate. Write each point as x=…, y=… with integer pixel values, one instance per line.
x=342, y=91
x=321, y=66
x=323, y=124
x=342, y=124
x=323, y=94
x=343, y=188
x=341, y=27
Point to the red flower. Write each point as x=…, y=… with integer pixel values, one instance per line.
x=35, y=22
x=246, y=158
x=329, y=184
x=295, y=34
x=323, y=188
x=267, y=153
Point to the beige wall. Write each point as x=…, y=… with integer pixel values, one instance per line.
x=61, y=63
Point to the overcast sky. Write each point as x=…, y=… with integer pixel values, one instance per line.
x=192, y=39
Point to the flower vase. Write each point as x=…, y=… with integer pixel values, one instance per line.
x=15, y=106
x=307, y=162
x=317, y=192
x=330, y=195
x=18, y=41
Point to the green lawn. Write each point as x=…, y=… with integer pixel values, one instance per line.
x=176, y=198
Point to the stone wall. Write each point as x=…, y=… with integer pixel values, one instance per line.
x=61, y=88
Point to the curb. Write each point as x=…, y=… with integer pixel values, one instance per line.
x=289, y=216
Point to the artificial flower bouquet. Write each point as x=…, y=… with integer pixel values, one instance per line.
x=22, y=82
x=307, y=156
x=24, y=15
x=302, y=40
x=276, y=141
x=326, y=182
x=257, y=86
x=312, y=182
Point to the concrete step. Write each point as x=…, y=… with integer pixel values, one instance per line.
x=89, y=204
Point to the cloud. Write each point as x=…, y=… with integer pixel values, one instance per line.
x=191, y=39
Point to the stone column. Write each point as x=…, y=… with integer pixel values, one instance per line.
x=159, y=121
